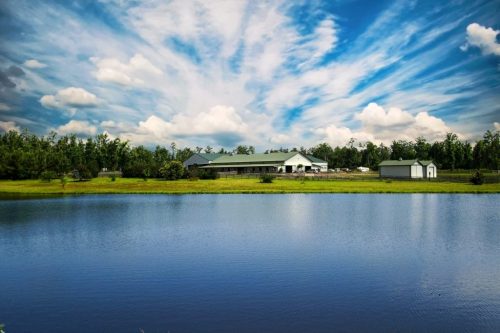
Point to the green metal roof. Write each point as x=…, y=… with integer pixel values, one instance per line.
x=254, y=158
x=315, y=159
x=210, y=156
x=397, y=162
x=238, y=165
x=425, y=163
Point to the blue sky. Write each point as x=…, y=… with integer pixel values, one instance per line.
x=264, y=73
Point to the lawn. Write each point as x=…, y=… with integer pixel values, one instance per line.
x=252, y=185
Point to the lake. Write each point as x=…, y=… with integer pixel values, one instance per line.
x=251, y=263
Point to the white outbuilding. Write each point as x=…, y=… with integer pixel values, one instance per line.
x=401, y=169
x=429, y=169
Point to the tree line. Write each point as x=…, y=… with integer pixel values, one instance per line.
x=451, y=153
x=27, y=156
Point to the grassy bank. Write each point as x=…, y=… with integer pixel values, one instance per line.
x=132, y=185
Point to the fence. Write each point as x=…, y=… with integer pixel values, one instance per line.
x=464, y=177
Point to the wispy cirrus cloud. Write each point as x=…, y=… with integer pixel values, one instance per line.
x=34, y=64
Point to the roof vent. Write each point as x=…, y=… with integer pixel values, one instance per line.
x=400, y=159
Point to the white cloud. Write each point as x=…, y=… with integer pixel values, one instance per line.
x=280, y=139
x=4, y=107
x=399, y=124
x=156, y=126
x=483, y=38
x=380, y=126
x=77, y=127
x=49, y=101
x=116, y=127
x=496, y=126
x=135, y=72
x=430, y=126
x=340, y=136
x=70, y=97
x=374, y=116
x=34, y=64
x=9, y=126
x=219, y=120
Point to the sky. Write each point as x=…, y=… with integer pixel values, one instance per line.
x=264, y=73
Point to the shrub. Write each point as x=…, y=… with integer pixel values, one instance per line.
x=172, y=170
x=113, y=178
x=266, y=178
x=477, y=178
x=202, y=173
x=208, y=174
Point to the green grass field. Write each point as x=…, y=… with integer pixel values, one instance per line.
x=252, y=185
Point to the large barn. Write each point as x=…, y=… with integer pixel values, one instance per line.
x=258, y=163
x=318, y=164
x=407, y=169
x=201, y=159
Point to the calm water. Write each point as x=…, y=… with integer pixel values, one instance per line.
x=251, y=263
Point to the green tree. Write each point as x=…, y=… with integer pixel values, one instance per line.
x=160, y=156
x=242, y=149
x=140, y=163
x=323, y=151
x=370, y=156
x=422, y=148
x=172, y=170
x=183, y=154
x=402, y=149
x=491, y=150
x=437, y=153
x=451, y=151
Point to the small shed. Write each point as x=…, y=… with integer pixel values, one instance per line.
x=401, y=169
x=429, y=169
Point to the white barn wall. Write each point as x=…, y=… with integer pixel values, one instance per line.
x=432, y=169
x=416, y=171
x=296, y=160
x=323, y=167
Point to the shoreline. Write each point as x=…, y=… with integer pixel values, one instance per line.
x=236, y=186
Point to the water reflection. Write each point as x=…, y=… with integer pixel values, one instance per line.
x=250, y=263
